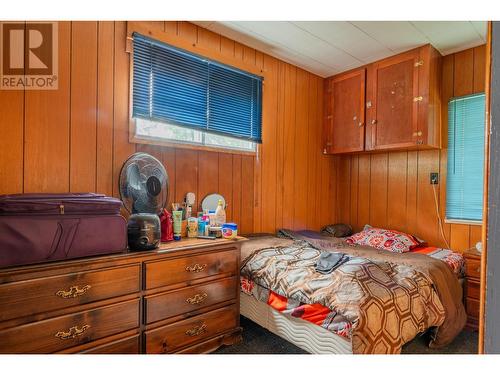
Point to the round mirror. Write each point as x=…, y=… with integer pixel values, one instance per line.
x=211, y=201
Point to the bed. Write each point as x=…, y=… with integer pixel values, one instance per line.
x=319, y=327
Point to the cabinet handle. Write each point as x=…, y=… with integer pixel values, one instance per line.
x=418, y=99
x=419, y=142
x=72, y=333
x=196, y=268
x=197, y=299
x=360, y=124
x=73, y=292
x=417, y=134
x=374, y=122
x=197, y=330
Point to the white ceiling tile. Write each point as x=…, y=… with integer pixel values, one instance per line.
x=287, y=34
x=398, y=36
x=447, y=35
x=330, y=47
x=346, y=37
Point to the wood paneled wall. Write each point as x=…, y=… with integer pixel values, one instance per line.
x=392, y=189
x=76, y=138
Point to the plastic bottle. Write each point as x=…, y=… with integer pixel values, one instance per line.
x=220, y=214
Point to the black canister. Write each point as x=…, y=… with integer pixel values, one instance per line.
x=144, y=232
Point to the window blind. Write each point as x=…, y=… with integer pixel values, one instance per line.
x=464, y=186
x=178, y=87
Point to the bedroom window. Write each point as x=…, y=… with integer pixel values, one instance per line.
x=464, y=186
x=182, y=98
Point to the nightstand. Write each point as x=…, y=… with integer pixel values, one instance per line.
x=472, y=286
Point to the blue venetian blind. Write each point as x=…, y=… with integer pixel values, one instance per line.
x=177, y=87
x=464, y=185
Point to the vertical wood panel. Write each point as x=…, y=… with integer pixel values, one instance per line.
x=47, y=117
x=479, y=68
x=313, y=153
x=411, y=191
x=247, y=194
x=378, y=190
x=354, y=178
x=396, y=190
x=269, y=146
x=11, y=141
x=464, y=73
x=105, y=77
x=169, y=158
x=301, y=139
x=289, y=141
x=122, y=148
x=344, y=189
x=237, y=188
x=186, y=175
x=83, y=135
x=364, y=170
x=208, y=173
x=427, y=221
x=225, y=182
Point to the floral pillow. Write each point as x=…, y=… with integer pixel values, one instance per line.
x=385, y=239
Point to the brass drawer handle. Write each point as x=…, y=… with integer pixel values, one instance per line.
x=197, y=330
x=197, y=298
x=72, y=333
x=73, y=292
x=196, y=268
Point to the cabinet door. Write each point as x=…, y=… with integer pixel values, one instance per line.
x=347, y=116
x=394, y=101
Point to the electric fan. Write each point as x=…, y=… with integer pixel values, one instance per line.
x=143, y=191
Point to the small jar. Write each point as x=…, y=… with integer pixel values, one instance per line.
x=229, y=231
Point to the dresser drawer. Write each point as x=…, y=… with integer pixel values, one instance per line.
x=473, y=268
x=51, y=335
x=472, y=306
x=473, y=289
x=185, y=269
x=129, y=345
x=35, y=296
x=166, y=305
x=191, y=331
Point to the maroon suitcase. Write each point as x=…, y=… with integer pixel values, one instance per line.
x=46, y=227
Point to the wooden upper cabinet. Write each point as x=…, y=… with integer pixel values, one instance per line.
x=345, y=121
x=402, y=105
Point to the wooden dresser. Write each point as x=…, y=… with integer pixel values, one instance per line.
x=181, y=298
x=472, y=287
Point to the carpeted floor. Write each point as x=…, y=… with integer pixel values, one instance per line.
x=258, y=340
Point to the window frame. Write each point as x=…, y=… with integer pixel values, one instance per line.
x=463, y=221
x=194, y=48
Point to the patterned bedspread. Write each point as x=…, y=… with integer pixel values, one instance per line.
x=345, y=304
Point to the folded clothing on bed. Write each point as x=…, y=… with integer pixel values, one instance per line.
x=328, y=262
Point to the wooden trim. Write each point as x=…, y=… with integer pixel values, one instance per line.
x=139, y=27
x=484, y=234
x=467, y=222
x=152, y=141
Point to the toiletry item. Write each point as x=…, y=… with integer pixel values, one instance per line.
x=216, y=231
x=177, y=217
x=188, y=211
x=192, y=227
x=211, y=216
x=229, y=230
x=201, y=226
x=220, y=214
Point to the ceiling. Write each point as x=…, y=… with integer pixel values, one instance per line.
x=330, y=47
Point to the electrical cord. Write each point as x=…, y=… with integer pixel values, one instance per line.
x=440, y=221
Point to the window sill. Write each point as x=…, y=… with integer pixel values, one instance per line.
x=466, y=222
x=188, y=146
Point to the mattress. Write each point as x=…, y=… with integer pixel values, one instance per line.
x=307, y=336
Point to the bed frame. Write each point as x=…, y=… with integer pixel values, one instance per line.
x=308, y=336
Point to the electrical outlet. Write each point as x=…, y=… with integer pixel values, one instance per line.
x=434, y=178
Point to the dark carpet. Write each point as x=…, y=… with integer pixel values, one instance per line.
x=258, y=340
